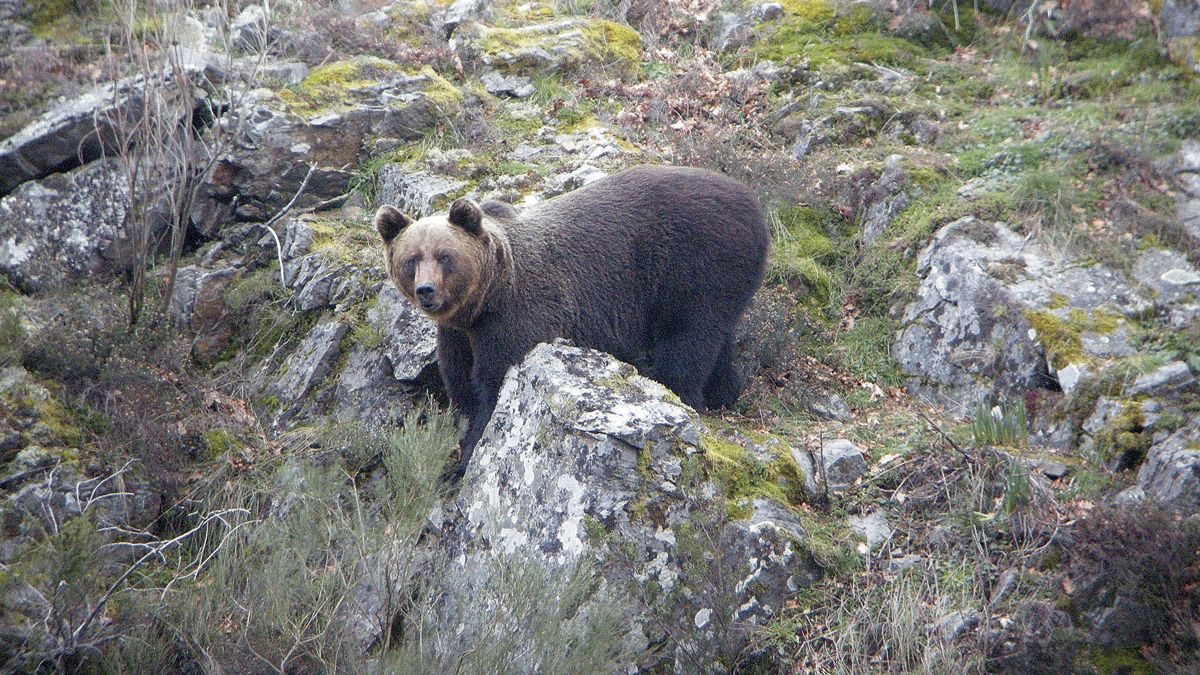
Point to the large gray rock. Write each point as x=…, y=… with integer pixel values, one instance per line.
x=584, y=459
x=1187, y=204
x=462, y=11
x=416, y=193
x=1179, y=18
x=81, y=130
x=555, y=46
x=1171, y=473
x=997, y=314
x=56, y=231
x=308, y=366
x=884, y=199
x=1170, y=275
x=384, y=378
x=320, y=134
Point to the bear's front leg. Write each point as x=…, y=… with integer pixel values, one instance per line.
x=455, y=363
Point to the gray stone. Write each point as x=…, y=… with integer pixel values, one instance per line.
x=842, y=463
x=1170, y=274
x=872, y=527
x=309, y=365
x=829, y=406
x=57, y=231
x=952, y=626
x=1170, y=475
x=579, y=177
x=462, y=11
x=968, y=335
x=511, y=86
x=409, y=337
x=731, y=31
x=81, y=130
x=767, y=11
x=275, y=149
x=1187, y=203
x=884, y=200
x=251, y=30
x=1052, y=469
x=288, y=72
x=580, y=442
x=1179, y=18
x=1172, y=378
x=901, y=563
x=415, y=193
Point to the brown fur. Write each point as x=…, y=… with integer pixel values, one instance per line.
x=654, y=265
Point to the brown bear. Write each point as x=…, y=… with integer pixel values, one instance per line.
x=653, y=265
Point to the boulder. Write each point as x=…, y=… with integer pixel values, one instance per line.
x=997, y=315
x=586, y=461
x=462, y=11
x=556, y=46
x=80, y=130
x=416, y=193
x=318, y=129
x=1171, y=473
x=59, y=230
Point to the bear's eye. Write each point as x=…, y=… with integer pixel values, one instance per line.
x=445, y=258
x=410, y=264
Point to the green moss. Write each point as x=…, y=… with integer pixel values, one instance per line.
x=330, y=88
x=1060, y=340
x=1127, y=661
x=745, y=478
x=219, y=443
x=1124, y=435
x=602, y=42
x=615, y=43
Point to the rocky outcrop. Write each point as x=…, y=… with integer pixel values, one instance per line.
x=997, y=315
x=318, y=131
x=586, y=462
x=56, y=231
x=556, y=46
x=1170, y=476
x=80, y=130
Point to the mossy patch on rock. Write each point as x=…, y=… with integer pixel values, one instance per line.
x=746, y=477
x=566, y=45
x=340, y=86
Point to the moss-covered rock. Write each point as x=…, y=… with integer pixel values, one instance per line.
x=568, y=45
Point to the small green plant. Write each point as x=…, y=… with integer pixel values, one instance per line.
x=1006, y=425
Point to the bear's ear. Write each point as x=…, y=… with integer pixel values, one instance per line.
x=389, y=221
x=466, y=214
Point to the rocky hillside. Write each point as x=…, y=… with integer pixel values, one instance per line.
x=970, y=439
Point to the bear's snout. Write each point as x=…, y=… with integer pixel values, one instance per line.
x=426, y=294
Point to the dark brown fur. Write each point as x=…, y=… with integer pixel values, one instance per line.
x=654, y=265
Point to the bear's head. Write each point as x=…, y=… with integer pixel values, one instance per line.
x=447, y=265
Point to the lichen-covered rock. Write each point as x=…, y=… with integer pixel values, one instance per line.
x=1171, y=473
x=842, y=463
x=584, y=459
x=58, y=230
x=81, y=129
x=323, y=124
x=308, y=366
x=1170, y=275
x=996, y=314
x=884, y=199
x=556, y=46
x=1187, y=178
x=198, y=306
x=386, y=375
x=416, y=193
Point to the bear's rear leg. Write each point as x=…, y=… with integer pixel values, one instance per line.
x=685, y=360
x=725, y=382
